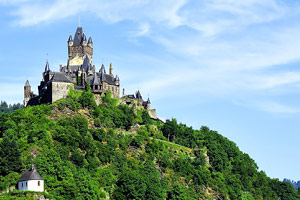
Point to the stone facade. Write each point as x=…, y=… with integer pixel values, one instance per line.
x=59, y=90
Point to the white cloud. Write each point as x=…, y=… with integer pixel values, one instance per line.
x=278, y=108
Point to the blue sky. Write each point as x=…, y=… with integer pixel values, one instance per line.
x=230, y=65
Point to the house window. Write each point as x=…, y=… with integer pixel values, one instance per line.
x=26, y=184
x=112, y=88
x=39, y=183
x=22, y=185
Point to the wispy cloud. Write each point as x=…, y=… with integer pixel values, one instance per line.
x=277, y=108
x=227, y=47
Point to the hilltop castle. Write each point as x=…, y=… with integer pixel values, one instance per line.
x=78, y=72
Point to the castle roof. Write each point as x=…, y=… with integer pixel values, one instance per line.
x=138, y=95
x=102, y=69
x=31, y=174
x=95, y=80
x=70, y=38
x=60, y=77
x=27, y=83
x=78, y=36
x=47, y=68
x=86, y=64
x=90, y=40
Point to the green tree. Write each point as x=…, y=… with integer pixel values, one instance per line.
x=10, y=156
x=87, y=98
x=131, y=185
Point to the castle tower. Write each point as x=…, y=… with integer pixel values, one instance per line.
x=111, y=69
x=78, y=47
x=27, y=93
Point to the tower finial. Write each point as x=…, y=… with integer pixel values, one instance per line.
x=79, y=21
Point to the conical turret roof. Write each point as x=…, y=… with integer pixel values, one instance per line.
x=78, y=36
x=47, y=68
x=27, y=83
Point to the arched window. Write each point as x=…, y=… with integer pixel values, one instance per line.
x=39, y=183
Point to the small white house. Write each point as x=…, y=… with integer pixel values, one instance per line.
x=31, y=180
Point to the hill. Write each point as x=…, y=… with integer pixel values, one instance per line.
x=112, y=151
x=296, y=184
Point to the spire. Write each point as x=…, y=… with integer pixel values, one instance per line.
x=86, y=64
x=27, y=83
x=148, y=101
x=78, y=36
x=138, y=95
x=47, y=68
x=79, y=22
x=90, y=40
x=102, y=69
x=96, y=79
x=70, y=38
x=83, y=37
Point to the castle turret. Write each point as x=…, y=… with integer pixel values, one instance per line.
x=90, y=42
x=79, y=47
x=111, y=69
x=117, y=80
x=27, y=93
x=47, y=68
x=70, y=41
x=84, y=42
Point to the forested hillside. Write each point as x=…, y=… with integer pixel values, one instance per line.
x=296, y=184
x=85, y=151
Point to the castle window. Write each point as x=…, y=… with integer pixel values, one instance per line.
x=26, y=184
x=112, y=88
x=108, y=87
x=39, y=183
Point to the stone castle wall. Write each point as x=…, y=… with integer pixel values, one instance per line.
x=59, y=90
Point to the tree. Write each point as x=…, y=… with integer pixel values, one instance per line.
x=87, y=98
x=170, y=129
x=131, y=185
x=146, y=117
x=10, y=156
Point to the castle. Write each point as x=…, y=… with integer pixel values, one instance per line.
x=78, y=72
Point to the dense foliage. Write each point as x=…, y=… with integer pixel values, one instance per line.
x=296, y=184
x=85, y=151
x=5, y=108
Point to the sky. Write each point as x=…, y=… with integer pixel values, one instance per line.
x=230, y=65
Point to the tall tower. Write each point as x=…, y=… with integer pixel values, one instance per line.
x=78, y=46
x=27, y=93
x=111, y=70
